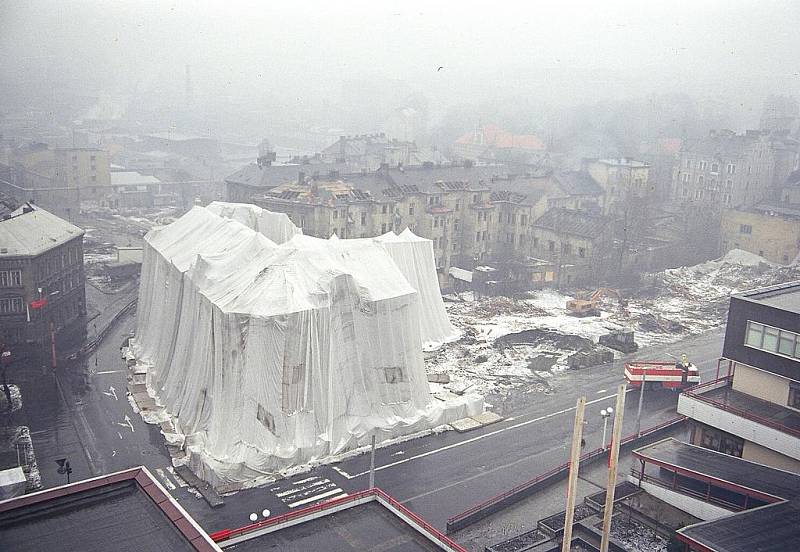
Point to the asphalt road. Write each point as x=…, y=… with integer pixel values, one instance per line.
x=435, y=476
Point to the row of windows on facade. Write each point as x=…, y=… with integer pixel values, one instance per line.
x=54, y=262
x=712, y=182
x=779, y=342
x=730, y=168
x=772, y=340
x=10, y=278
x=700, y=194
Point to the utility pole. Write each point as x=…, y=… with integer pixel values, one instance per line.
x=641, y=400
x=574, y=466
x=372, y=465
x=616, y=435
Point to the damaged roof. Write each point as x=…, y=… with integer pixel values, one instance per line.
x=269, y=176
x=577, y=223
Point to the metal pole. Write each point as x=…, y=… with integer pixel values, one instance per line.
x=639, y=410
x=372, y=465
x=616, y=435
x=574, y=466
x=605, y=425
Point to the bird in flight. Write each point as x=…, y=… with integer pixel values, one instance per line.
x=440, y=68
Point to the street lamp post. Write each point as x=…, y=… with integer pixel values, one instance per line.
x=606, y=414
x=639, y=409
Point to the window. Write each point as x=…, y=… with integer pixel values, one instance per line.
x=384, y=208
x=688, y=163
x=485, y=235
x=581, y=252
x=551, y=246
x=454, y=246
x=11, y=305
x=566, y=248
x=701, y=179
x=336, y=213
x=411, y=209
x=714, y=167
x=536, y=242
x=394, y=374
x=458, y=205
x=772, y=340
x=794, y=395
x=383, y=228
x=4, y=278
x=745, y=229
x=731, y=168
x=266, y=419
x=686, y=177
x=701, y=165
x=475, y=198
x=754, y=333
x=94, y=178
x=455, y=224
x=363, y=219
x=477, y=236
x=523, y=219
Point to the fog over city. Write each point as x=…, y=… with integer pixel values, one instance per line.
x=379, y=276
x=325, y=63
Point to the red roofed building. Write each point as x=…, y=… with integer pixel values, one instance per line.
x=491, y=142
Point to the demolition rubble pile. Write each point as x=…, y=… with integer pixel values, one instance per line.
x=672, y=305
x=268, y=355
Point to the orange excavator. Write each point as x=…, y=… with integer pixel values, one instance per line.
x=584, y=305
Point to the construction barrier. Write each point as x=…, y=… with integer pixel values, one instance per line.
x=524, y=490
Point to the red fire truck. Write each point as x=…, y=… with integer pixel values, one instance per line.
x=666, y=374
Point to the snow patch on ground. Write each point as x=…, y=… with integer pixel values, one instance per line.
x=669, y=306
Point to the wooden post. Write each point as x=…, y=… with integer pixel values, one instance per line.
x=574, y=465
x=372, y=464
x=616, y=435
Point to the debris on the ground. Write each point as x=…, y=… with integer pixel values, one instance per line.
x=635, y=536
x=508, y=344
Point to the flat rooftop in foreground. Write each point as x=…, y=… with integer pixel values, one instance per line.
x=364, y=527
x=770, y=528
x=125, y=512
x=722, y=468
x=783, y=296
x=368, y=520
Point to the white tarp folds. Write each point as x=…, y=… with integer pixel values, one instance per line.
x=276, y=226
x=412, y=254
x=269, y=356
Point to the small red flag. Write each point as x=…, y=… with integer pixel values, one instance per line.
x=38, y=303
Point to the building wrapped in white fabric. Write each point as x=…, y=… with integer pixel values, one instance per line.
x=268, y=356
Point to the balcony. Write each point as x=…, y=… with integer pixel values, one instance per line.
x=764, y=423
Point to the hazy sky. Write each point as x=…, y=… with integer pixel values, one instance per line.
x=303, y=51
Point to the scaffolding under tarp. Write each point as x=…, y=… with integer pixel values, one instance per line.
x=267, y=356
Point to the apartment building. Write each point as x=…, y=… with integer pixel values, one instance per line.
x=753, y=410
x=620, y=179
x=771, y=231
x=732, y=170
x=42, y=279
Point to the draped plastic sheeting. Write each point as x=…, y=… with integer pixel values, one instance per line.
x=269, y=356
x=412, y=254
x=275, y=226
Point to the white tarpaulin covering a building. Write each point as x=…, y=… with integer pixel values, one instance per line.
x=268, y=356
x=412, y=254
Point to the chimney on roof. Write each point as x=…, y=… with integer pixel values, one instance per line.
x=27, y=208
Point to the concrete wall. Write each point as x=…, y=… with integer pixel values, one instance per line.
x=775, y=238
x=763, y=385
x=693, y=506
x=763, y=455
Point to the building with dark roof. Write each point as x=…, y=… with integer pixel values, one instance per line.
x=742, y=506
x=367, y=520
x=753, y=411
x=123, y=511
x=42, y=295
